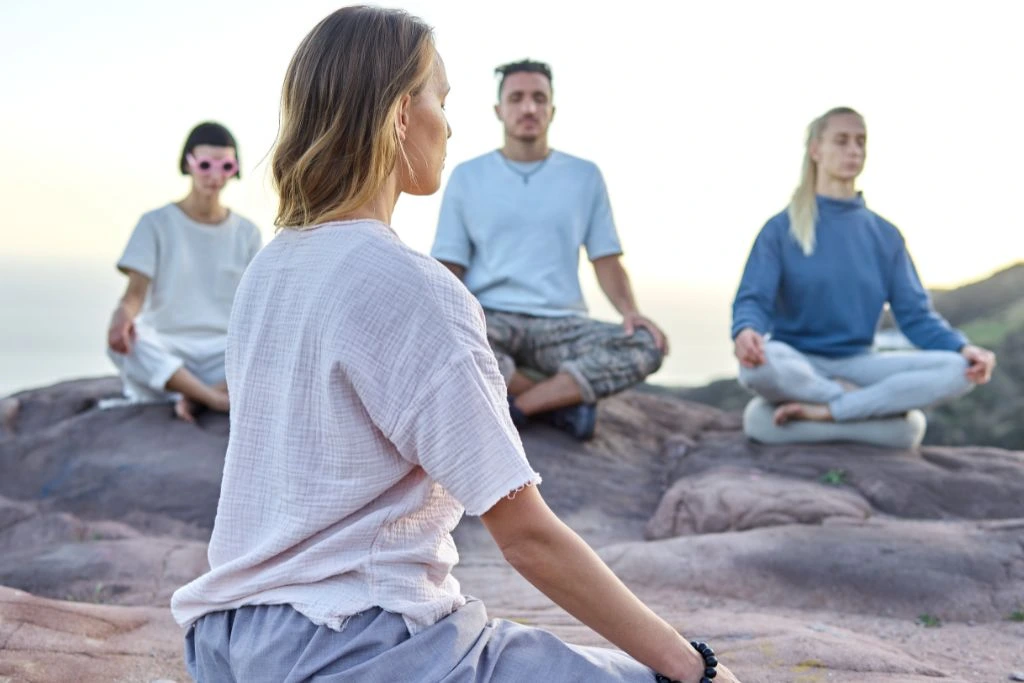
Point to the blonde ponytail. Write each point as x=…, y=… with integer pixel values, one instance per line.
x=803, y=207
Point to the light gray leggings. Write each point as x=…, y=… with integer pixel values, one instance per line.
x=276, y=644
x=888, y=383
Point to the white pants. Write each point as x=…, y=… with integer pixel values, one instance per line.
x=889, y=383
x=153, y=359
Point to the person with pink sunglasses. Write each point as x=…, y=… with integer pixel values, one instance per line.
x=184, y=261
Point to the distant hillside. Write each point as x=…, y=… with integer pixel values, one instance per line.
x=991, y=313
x=982, y=299
x=987, y=310
x=989, y=415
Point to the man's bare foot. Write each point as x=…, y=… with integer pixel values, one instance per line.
x=847, y=385
x=185, y=409
x=815, y=412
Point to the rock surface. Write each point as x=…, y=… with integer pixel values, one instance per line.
x=731, y=499
x=44, y=641
x=809, y=563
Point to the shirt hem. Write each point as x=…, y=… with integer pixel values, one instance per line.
x=536, y=312
x=451, y=259
x=510, y=487
x=604, y=254
x=124, y=266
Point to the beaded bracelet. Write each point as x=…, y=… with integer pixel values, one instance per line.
x=710, y=664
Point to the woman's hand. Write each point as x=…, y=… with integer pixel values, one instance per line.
x=121, y=335
x=725, y=676
x=980, y=363
x=749, y=348
x=552, y=557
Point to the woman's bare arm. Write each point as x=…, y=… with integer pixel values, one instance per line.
x=561, y=565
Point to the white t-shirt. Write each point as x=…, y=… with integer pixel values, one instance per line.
x=194, y=270
x=367, y=414
x=518, y=230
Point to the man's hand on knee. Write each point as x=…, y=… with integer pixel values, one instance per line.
x=632, y=321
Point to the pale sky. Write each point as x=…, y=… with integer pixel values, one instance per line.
x=695, y=113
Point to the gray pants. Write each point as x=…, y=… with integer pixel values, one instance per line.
x=600, y=356
x=276, y=644
x=886, y=384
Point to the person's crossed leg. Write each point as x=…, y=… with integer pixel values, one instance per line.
x=861, y=387
x=579, y=361
x=152, y=371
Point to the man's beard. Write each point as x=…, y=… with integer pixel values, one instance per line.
x=528, y=138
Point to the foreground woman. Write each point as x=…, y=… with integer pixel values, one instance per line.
x=368, y=414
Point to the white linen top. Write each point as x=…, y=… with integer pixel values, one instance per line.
x=194, y=270
x=367, y=414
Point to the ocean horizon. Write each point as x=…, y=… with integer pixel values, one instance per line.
x=25, y=370
x=54, y=319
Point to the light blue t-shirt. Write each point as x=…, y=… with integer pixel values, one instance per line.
x=518, y=229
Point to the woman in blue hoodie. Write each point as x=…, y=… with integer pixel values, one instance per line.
x=816, y=281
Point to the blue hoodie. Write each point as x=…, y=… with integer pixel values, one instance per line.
x=829, y=303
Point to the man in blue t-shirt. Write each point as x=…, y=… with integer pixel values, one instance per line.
x=511, y=226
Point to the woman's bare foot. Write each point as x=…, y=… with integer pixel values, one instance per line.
x=196, y=396
x=816, y=412
x=847, y=385
x=185, y=409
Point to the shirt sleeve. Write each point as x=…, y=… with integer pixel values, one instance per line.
x=452, y=242
x=142, y=251
x=754, y=305
x=912, y=308
x=459, y=431
x=429, y=381
x=601, y=239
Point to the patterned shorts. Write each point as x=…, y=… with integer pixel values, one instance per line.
x=598, y=355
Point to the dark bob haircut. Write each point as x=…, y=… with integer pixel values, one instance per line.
x=209, y=133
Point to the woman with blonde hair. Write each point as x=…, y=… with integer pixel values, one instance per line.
x=368, y=414
x=817, y=279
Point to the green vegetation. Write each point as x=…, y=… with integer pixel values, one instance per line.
x=991, y=331
x=833, y=478
x=97, y=596
x=929, y=621
x=811, y=664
